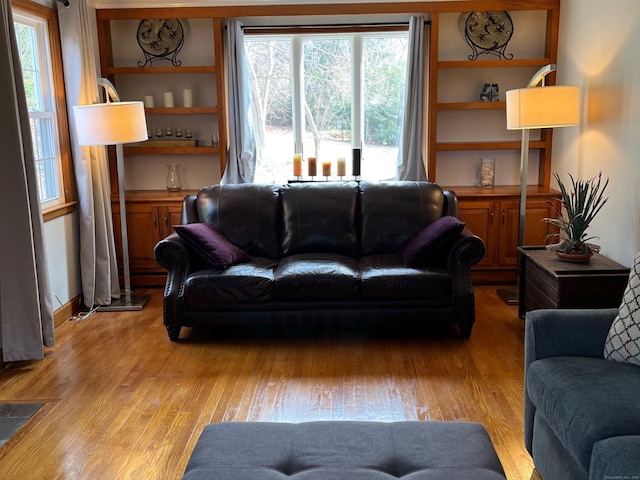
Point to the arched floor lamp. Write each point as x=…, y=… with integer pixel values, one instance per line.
x=530, y=108
x=114, y=123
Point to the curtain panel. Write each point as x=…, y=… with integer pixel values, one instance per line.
x=26, y=310
x=98, y=263
x=411, y=154
x=242, y=154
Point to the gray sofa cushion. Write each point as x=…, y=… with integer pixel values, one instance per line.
x=585, y=400
x=344, y=451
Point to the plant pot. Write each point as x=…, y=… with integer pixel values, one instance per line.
x=574, y=257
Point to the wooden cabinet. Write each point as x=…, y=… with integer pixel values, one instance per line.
x=495, y=218
x=150, y=218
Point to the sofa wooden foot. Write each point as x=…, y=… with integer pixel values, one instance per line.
x=174, y=333
x=465, y=330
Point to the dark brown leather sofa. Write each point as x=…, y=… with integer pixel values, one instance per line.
x=320, y=250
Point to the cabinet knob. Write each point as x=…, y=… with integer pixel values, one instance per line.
x=155, y=221
x=491, y=215
x=504, y=216
x=166, y=221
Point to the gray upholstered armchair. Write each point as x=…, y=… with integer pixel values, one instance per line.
x=582, y=414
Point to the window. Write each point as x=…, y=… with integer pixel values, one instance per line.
x=47, y=113
x=325, y=94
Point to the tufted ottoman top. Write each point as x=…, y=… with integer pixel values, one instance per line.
x=345, y=450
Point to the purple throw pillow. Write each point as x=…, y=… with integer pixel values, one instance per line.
x=211, y=245
x=420, y=250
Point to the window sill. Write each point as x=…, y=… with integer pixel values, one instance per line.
x=59, y=210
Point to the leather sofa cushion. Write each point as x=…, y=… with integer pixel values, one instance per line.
x=320, y=218
x=585, y=400
x=246, y=214
x=394, y=212
x=310, y=276
x=385, y=277
x=246, y=283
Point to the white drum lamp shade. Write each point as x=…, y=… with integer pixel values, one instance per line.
x=543, y=107
x=110, y=123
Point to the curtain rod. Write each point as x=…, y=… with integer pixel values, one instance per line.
x=332, y=25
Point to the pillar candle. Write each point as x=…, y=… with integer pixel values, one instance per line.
x=342, y=167
x=326, y=168
x=148, y=101
x=297, y=165
x=313, y=171
x=168, y=99
x=187, y=98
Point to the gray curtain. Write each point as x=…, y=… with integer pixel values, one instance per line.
x=411, y=154
x=241, y=157
x=98, y=264
x=26, y=311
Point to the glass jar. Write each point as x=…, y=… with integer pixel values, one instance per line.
x=173, y=178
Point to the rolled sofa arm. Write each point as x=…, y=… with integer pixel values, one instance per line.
x=464, y=253
x=172, y=254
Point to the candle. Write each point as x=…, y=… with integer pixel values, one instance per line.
x=168, y=99
x=313, y=171
x=297, y=165
x=326, y=168
x=148, y=101
x=342, y=167
x=187, y=98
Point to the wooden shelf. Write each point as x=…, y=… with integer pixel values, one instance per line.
x=472, y=105
x=161, y=196
x=470, y=191
x=137, y=70
x=516, y=62
x=172, y=150
x=456, y=146
x=181, y=110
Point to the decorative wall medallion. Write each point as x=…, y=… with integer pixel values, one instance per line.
x=488, y=33
x=160, y=39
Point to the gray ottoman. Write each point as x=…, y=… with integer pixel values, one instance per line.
x=344, y=451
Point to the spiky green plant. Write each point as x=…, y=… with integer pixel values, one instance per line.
x=579, y=207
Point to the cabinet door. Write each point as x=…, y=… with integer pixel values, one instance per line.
x=535, y=232
x=171, y=215
x=480, y=217
x=142, y=233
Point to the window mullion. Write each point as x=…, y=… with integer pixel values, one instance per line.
x=297, y=85
x=357, y=110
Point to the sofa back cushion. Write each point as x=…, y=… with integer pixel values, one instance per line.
x=394, y=212
x=320, y=218
x=248, y=215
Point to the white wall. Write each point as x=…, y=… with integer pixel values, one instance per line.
x=62, y=249
x=598, y=51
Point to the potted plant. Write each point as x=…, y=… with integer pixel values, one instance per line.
x=579, y=207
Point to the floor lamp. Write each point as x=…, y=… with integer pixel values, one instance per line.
x=530, y=108
x=115, y=123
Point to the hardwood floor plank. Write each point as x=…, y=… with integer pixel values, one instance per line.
x=122, y=401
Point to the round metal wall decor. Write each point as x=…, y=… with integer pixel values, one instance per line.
x=160, y=39
x=488, y=33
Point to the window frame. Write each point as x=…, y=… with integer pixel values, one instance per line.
x=49, y=16
x=357, y=33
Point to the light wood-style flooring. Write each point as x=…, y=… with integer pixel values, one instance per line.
x=122, y=402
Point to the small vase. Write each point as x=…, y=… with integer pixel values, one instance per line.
x=574, y=257
x=173, y=178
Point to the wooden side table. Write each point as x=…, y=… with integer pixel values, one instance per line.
x=545, y=281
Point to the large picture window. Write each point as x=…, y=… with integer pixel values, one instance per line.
x=325, y=94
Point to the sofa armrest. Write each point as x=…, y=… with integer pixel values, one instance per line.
x=566, y=332
x=560, y=333
x=616, y=457
x=172, y=254
x=465, y=252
